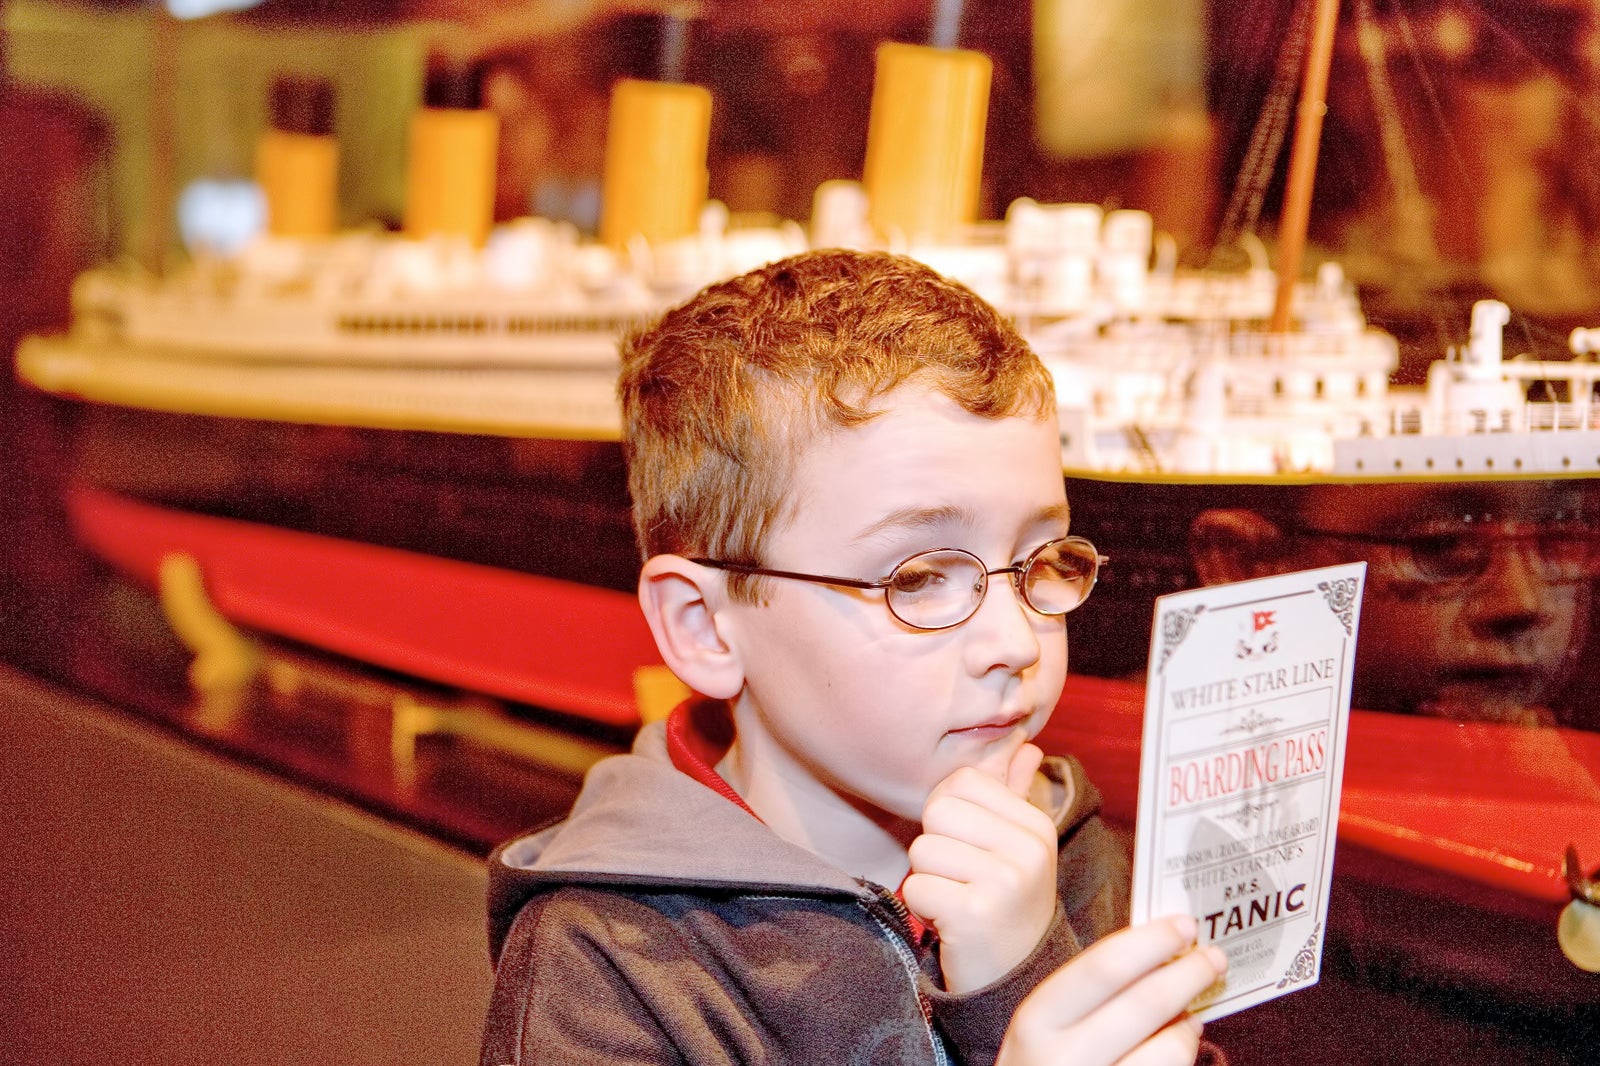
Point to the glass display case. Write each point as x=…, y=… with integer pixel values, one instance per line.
x=350, y=505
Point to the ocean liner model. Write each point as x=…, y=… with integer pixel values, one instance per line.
x=402, y=449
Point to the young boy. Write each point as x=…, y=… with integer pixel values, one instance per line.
x=847, y=485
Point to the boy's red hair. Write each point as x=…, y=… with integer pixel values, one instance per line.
x=721, y=394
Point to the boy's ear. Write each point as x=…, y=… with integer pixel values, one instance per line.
x=682, y=602
x=1234, y=545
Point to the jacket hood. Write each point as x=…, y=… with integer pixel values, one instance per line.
x=640, y=821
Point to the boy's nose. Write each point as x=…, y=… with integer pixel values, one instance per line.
x=1003, y=632
x=1512, y=592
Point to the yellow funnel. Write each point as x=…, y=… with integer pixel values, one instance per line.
x=925, y=140
x=450, y=173
x=299, y=176
x=655, y=179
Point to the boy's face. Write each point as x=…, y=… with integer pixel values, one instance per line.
x=841, y=694
x=1494, y=645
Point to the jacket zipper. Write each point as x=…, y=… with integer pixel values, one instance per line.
x=898, y=932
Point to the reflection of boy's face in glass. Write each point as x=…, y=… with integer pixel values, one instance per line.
x=1477, y=596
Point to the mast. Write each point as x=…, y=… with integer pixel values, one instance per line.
x=1303, y=161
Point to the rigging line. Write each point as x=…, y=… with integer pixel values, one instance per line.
x=1537, y=338
x=1430, y=90
x=1444, y=314
x=1255, y=169
x=1257, y=23
x=1266, y=139
x=1397, y=156
x=1589, y=114
x=1544, y=336
x=1527, y=334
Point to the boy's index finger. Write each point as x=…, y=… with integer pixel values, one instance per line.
x=1022, y=768
x=996, y=763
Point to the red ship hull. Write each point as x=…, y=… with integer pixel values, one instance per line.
x=1496, y=805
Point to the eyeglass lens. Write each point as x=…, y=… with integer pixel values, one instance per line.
x=1560, y=555
x=940, y=589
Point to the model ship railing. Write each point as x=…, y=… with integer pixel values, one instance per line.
x=1535, y=417
x=1555, y=417
x=478, y=325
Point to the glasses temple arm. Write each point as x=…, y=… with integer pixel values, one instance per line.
x=761, y=571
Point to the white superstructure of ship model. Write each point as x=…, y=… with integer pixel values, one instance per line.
x=1150, y=398
x=534, y=296
x=387, y=328
x=1483, y=414
x=1157, y=371
x=513, y=330
x=451, y=325
x=538, y=295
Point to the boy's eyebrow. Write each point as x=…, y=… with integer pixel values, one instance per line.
x=1056, y=512
x=949, y=514
x=916, y=518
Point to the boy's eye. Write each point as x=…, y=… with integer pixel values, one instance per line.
x=1446, y=555
x=1055, y=565
x=937, y=589
x=918, y=576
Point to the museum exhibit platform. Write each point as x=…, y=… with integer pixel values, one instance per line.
x=165, y=903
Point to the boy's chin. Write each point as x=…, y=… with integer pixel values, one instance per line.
x=1492, y=707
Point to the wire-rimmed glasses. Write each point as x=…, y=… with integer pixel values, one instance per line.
x=1561, y=552
x=943, y=587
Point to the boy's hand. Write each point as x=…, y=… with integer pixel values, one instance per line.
x=1121, y=1002
x=983, y=872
